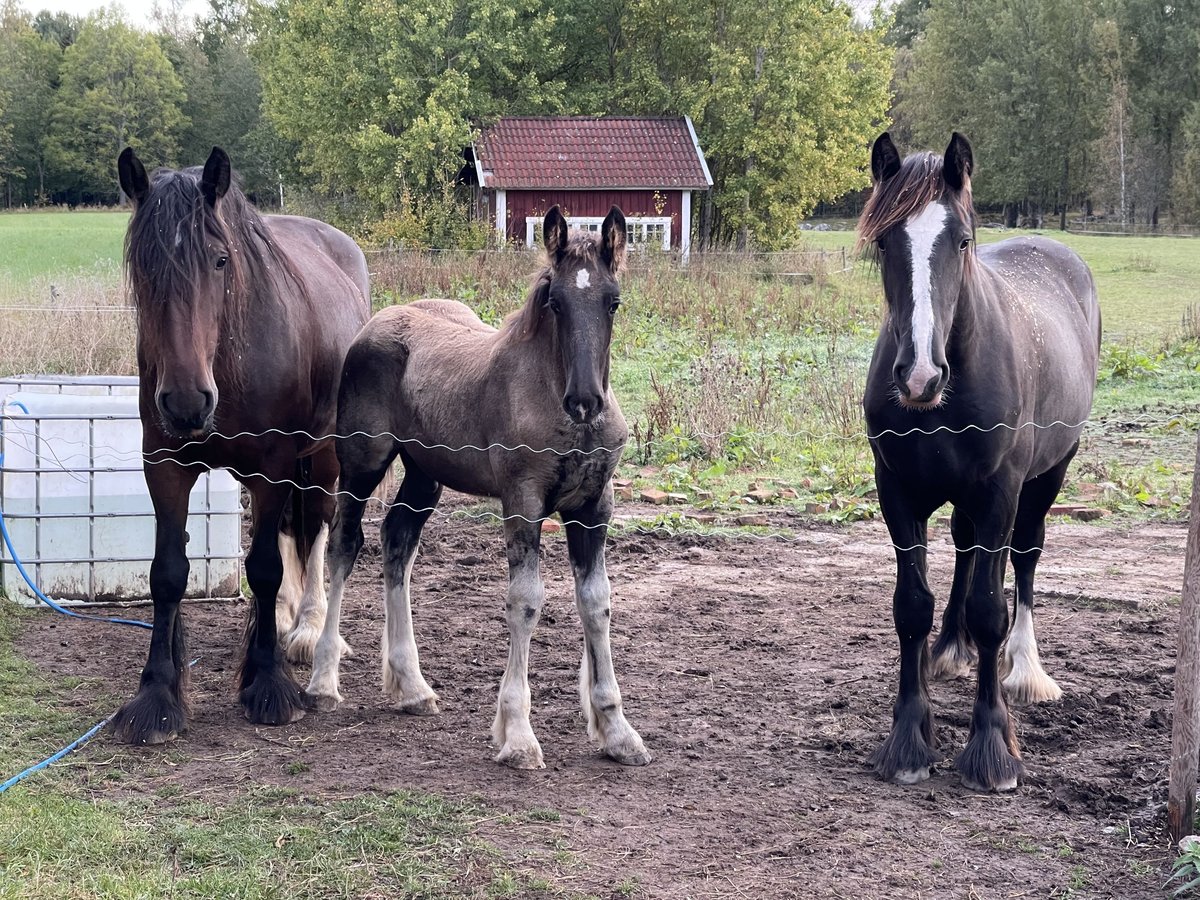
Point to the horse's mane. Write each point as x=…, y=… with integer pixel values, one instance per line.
x=168, y=248
x=583, y=248
x=918, y=183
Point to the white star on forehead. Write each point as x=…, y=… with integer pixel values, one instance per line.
x=583, y=278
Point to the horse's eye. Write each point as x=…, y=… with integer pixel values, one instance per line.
x=554, y=305
x=879, y=244
x=614, y=305
x=966, y=242
x=221, y=260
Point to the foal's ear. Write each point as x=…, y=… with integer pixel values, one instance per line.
x=215, y=180
x=959, y=163
x=885, y=158
x=612, y=240
x=132, y=175
x=554, y=234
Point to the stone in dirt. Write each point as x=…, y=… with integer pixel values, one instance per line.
x=760, y=495
x=677, y=498
x=816, y=509
x=653, y=495
x=752, y=519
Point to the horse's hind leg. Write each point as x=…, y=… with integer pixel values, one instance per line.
x=363, y=464
x=511, y=729
x=598, y=691
x=953, y=656
x=159, y=710
x=1027, y=681
x=402, y=678
x=268, y=694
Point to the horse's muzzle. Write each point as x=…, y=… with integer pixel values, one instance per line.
x=187, y=413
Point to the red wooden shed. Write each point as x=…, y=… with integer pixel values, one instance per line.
x=647, y=166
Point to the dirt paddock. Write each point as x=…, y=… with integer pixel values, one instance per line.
x=761, y=675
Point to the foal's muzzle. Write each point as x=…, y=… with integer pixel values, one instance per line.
x=583, y=407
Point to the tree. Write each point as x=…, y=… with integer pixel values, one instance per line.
x=1019, y=78
x=381, y=98
x=785, y=96
x=118, y=89
x=28, y=77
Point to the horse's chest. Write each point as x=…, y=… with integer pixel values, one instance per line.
x=580, y=477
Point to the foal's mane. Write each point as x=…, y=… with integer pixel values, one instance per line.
x=918, y=183
x=168, y=250
x=583, y=248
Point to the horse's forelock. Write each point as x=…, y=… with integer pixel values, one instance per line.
x=583, y=249
x=918, y=183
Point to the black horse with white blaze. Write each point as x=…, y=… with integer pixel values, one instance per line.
x=981, y=379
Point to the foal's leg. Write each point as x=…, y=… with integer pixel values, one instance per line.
x=511, y=730
x=402, y=678
x=317, y=507
x=159, y=710
x=991, y=761
x=598, y=691
x=908, y=751
x=268, y=694
x=360, y=475
x=1027, y=681
x=953, y=655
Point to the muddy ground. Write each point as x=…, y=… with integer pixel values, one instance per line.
x=761, y=674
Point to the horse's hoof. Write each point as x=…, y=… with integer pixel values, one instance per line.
x=325, y=703
x=300, y=643
x=521, y=758
x=630, y=756
x=1001, y=787
x=950, y=661
x=1024, y=685
x=911, y=776
x=273, y=699
x=426, y=707
x=155, y=716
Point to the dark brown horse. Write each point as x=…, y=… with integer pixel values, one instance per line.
x=243, y=323
x=425, y=379
x=980, y=383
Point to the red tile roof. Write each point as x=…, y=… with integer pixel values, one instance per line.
x=588, y=152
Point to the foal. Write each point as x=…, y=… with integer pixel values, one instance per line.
x=425, y=377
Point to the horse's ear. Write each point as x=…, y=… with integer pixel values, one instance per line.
x=885, y=158
x=132, y=176
x=612, y=239
x=215, y=180
x=959, y=163
x=554, y=234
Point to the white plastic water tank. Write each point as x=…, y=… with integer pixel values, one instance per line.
x=74, y=497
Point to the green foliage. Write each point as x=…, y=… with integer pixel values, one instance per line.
x=1186, y=870
x=1018, y=77
x=118, y=89
x=381, y=98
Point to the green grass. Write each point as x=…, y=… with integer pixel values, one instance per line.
x=59, y=839
x=1146, y=284
x=57, y=243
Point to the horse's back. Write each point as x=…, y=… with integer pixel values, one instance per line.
x=1052, y=281
x=300, y=235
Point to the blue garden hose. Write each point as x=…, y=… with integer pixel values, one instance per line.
x=16, y=560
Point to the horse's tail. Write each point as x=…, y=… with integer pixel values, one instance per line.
x=296, y=524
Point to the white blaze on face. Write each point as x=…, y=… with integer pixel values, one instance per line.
x=583, y=278
x=923, y=231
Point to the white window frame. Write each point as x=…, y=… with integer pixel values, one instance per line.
x=636, y=228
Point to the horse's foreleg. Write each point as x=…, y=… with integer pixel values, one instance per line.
x=268, y=694
x=1027, y=681
x=953, y=655
x=402, y=678
x=991, y=761
x=159, y=710
x=511, y=729
x=908, y=751
x=598, y=691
